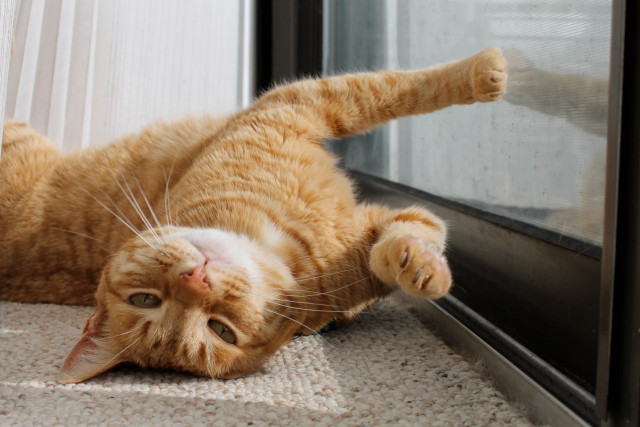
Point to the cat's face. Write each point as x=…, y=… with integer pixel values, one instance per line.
x=197, y=300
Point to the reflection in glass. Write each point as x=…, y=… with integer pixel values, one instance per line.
x=539, y=154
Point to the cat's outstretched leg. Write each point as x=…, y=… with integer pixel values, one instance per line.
x=338, y=106
x=409, y=253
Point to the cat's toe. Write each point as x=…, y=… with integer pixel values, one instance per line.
x=429, y=272
x=489, y=78
x=422, y=270
x=412, y=263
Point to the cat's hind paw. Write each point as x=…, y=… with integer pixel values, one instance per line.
x=489, y=75
x=414, y=265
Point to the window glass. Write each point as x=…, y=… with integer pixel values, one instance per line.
x=538, y=155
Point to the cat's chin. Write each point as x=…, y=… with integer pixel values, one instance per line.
x=223, y=248
x=217, y=246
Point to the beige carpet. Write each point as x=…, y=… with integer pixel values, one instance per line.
x=386, y=368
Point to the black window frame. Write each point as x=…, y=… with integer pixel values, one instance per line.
x=289, y=45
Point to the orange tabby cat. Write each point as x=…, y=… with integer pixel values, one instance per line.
x=213, y=241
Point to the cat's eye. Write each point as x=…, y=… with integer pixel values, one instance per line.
x=222, y=331
x=144, y=300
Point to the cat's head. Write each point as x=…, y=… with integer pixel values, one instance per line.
x=197, y=300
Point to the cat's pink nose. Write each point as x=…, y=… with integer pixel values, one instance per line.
x=194, y=280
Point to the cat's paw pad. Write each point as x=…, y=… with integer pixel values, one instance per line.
x=489, y=75
x=416, y=266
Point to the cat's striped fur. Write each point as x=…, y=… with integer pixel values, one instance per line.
x=244, y=221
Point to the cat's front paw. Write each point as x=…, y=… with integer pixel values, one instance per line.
x=489, y=75
x=411, y=263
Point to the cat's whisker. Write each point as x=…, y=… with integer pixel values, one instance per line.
x=125, y=333
x=153, y=214
x=130, y=227
x=75, y=233
x=135, y=340
x=299, y=323
x=131, y=200
x=122, y=214
x=100, y=241
x=167, y=200
x=300, y=259
x=139, y=254
x=176, y=221
x=163, y=240
x=210, y=370
x=104, y=260
x=277, y=296
x=313, y=277
x=310, y=294
x=131, y=223
x=345, y=286
x=332, y=273
x=136, y=206
x=310, y=309
x=317, y=304
x=332, y=291
x=128, y=193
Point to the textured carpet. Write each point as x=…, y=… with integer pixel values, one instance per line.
x=386, y=368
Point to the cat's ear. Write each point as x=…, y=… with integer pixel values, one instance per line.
x=91, y=355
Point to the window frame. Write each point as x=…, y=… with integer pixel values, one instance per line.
x=618, y=381
x=294, y=50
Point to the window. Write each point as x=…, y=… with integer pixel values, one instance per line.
x=538, y=189
x=539, y=155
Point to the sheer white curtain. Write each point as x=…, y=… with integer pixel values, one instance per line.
x=84, y=72
x=7, y=14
